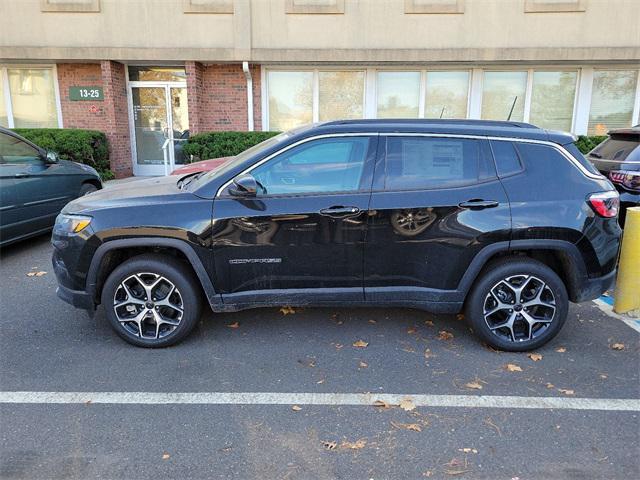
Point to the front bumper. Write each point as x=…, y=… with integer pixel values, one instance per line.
x=77, y=298
x=592, y=288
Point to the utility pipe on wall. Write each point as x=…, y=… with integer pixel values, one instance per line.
x=247, y=75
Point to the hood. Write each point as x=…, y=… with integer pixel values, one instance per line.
x=136, y=192
x=202, y=166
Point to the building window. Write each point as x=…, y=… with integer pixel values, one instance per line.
x=290, y=99
x=550, y=6
x=341, y=95
x=447, y=94
x=433, y=6
x=501, y=92
x=612, y=100
x=398, y=94
x=314, y=6
x=157, y=74
x=552, y=100
x=76, y=6
x=207, y=6
x=30, y=100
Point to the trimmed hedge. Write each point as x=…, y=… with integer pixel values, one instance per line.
x=586, y=143
x=82, y=146
x=223, y=144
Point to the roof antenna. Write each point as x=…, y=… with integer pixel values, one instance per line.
x=512, y=107
x=442, y=112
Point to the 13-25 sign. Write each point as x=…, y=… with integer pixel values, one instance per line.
x=86, y=93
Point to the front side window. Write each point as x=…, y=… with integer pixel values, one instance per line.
x=415, y=163
x=501, y=92
x=398, y=94
x=612, y=100
x=15, y=151
x=290, y=99
x=319, y=166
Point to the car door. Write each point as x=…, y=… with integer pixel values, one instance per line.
x=436, y=202
x=301, y=238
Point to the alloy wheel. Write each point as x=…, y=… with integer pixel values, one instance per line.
x=148, y=306
x=519, y=308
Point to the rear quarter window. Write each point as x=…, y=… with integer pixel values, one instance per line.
x=577, y=154
x=506, y=157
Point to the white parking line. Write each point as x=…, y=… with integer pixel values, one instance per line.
x=332, y=399
x=608, y=309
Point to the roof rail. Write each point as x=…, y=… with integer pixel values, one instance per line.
x=432, y=121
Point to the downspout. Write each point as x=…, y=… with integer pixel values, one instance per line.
x=247, y=75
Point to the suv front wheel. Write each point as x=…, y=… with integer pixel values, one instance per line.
x=518, y=304
x=152, y=300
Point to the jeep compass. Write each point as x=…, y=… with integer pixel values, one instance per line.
x=504, y=221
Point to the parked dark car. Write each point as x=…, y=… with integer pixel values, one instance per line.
x=35, y=185
x=505, y=221
x=618, y=158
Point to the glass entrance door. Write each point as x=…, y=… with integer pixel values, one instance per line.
x=160, y=120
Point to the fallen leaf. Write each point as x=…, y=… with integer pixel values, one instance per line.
x=36, y=274
x=473, y=385
x=427, y=353
x=407, y=404
x=88, y=402
x=165, y=456
x=408, y=426
x=550, y=385
x=372, y=321
x=513, y=367
x=561, y=349
x=296, y=408
x=357, y=445
x=411, y=330
x=320, y=381
x=603, y=376
x=287, y=310
x=566, y=392
x=535, y=357
x=363, y=365
x=408, y=349
x=468, y=450
x=428, y=323
x=329, y=445
x=233, y=325
x=427, y=473
x=460, y=316
x=618, y=346
x=444, y=335
x=381, y=404
x=360, y=344
x=337, y=345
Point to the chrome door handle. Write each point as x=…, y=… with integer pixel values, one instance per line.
x=22, y=175
x=339, y=211
x=477, y=204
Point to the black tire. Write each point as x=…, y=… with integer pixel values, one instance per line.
x=87, y=188
x=527, y=336
x=172, y=273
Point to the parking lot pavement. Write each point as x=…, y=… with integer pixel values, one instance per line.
x=589, y=427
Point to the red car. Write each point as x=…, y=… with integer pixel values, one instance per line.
x=202, y=166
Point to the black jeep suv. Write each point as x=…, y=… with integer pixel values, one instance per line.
x=505, y=221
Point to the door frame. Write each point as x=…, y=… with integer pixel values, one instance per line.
x=152, y=170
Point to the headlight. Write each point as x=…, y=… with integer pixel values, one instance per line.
x=71, y=223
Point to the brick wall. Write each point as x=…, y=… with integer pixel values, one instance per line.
x=218, y=97
x=82, y=114
x=117, y=118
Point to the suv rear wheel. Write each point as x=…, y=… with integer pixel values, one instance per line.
x=152, y=300
x=517, y=304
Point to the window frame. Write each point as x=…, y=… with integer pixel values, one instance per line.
x=367, y=170
x=4, y=84
x=381, y=173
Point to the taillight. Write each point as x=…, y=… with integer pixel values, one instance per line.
x=629, y=180
x=605, y=204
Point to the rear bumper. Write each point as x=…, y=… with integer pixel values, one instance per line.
x=592, y=288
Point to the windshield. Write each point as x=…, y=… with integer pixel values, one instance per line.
x=238, y=159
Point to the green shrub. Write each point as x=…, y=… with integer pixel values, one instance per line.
x=223, y=144
x=82, y=146
x=587, y=143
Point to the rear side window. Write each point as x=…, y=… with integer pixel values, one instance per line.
x=506, y=157
x=577, y=154
x=415, y=163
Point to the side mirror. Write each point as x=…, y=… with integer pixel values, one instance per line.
x=52, y=157
x=244, y=186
